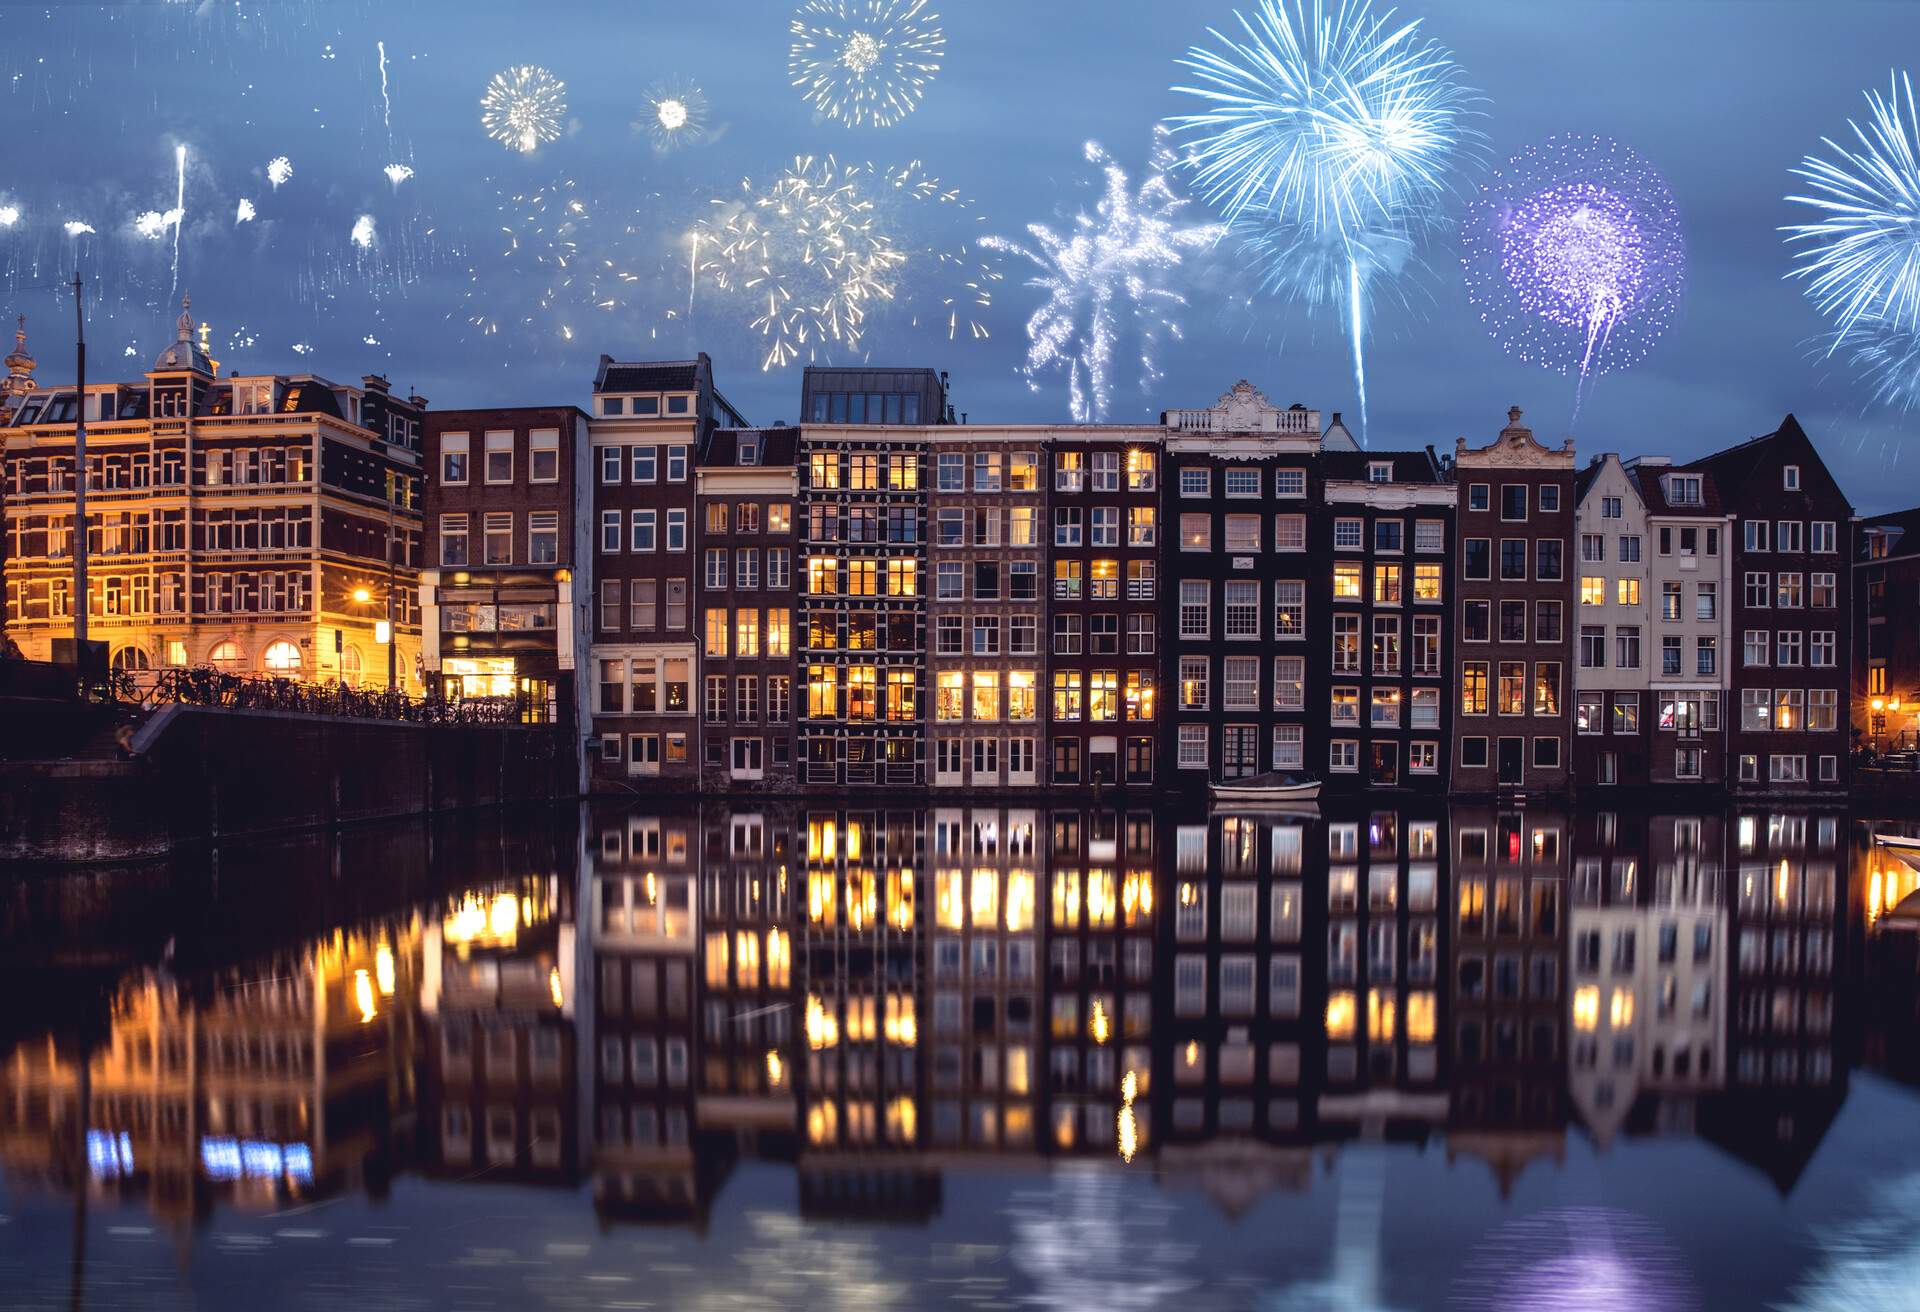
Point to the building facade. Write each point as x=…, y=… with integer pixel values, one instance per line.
x=1611, y=681
x=986, y=607
x=1240, y=475
x=1389, y=517
x=1886, y=678
x=505, y=538
x=1102, y=626
x=648, y=420
x=260, y=524
x=1514, y=658
x=1690, y=583
x=1792, y=546
x=748, y=492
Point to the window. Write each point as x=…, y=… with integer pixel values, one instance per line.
x=1820, y=591
x=1822, y=644
x=1242, y=482
x=1706, y=601
x=1513, y=688
x=1477, y=496
x=1194, y=692
x=1630, y=548
x=1343, y=756
x=1140, y=470
x=1289, y=482
x=1289, y=747
x=1196, y=532
x=1822, y=710
x=1289, y=683
x=1192, y=750
x=1706, y=656
x=1589, y=712
x=1821, y=537
x=1140, y=634
x=1240, y=688
x=987, y=471
x=1243, y=533
x=499, y=457
x=1194, y=482
x=1348, y=535
x=1195, y=616
x=1546, y=688
x=1758, y=647
x=1289, y=608
x=1593, y=548
x=1787, y=593
x=1626, y=713
x=1388, y=535
x=1140, y=527
x=1513, y=559
x=1756, y=709
x=1476, y=561
x=1786, y=647
x=950, y=472
x=453, y=459
x=1548, y=558
x=1429, y=535
x=1241, y=611
x=1426, y=644
x=1756, y=531
x=1790, y=478
x=645, y=464
x=676, y=459
x=1627, y=647
x=543, y=537
x=453, y=539
x=1593, y=590
x=1513, y=501
x=1346, y=644
x=1786, y=535
x=1759, y=589
x=1629, y=592
x=497, y=545
x=1609, y=507
x=543, y=455
x=676, y=530
x=1473, y=688
x=1426, y=582
x=1476, y=621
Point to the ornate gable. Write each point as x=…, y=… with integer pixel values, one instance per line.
x=1516, y=447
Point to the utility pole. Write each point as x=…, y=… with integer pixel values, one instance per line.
x=79, y=603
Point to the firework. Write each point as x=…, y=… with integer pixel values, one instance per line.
x=807, y=254
x=362, y=234
x=674, y=114
x=1574, y=257
x=1586, y=1257
x=153, y=224
x=245, y=212
x=1329, y=140
x=1108, y=270
x=524, y=107
x=398, y=173
x=9, y=215
x=77, y=228
x=279, y=169
x=864, y=61
x=1859, y=257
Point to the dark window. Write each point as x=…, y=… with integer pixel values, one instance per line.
x=1513, y=501
x=1478, y=561
x=1513, y=558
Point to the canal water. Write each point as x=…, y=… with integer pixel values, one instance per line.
x=771, y=1055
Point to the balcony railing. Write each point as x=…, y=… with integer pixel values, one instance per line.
x=209, y=687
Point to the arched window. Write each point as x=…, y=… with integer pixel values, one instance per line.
x=350, y=664
x=132, y=658
x=226, y=656
x=281, y=657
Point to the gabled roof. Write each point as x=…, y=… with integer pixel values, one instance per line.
x=648, y=376
x=1902, y=526
x=777, y=447
x=1732, y=467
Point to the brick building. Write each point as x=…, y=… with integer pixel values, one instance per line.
x=1514, y=654
x=506, y=536
x=1792, y=616
x=748, y=492
x=648, y=420
x=1886, y=677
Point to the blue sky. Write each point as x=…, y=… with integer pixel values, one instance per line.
x=1722, y=97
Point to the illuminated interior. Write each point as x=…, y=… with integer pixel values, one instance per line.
x=482, y=676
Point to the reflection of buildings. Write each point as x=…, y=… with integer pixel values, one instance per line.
x=1787, y=918
x=290, y=1076
x=1647, y=988
x=498, y=983
x=643, y=872
x=1509, y=1089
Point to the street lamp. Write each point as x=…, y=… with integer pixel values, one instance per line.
x=1877, y=720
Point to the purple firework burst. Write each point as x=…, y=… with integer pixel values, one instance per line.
x=1574, y=256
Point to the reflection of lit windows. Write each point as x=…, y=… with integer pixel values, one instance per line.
x=1341, y=1015
x=1586, y=1007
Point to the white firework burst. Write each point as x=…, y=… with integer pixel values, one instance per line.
x=808, y=256
x=674, y=115
x=279, y=169
x=865, y=61
x=1109, y=271
x=524, y=107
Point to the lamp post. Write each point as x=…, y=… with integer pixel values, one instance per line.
x=1877, y=705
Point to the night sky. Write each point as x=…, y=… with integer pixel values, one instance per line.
x=1723, y=98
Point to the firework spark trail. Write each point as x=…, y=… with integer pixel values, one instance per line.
x=1859, y=256
x=1329, y=142
x=864, y=61
x=386, y=100
x=179, y=210
x=1574, y=257
x=675, y=115
x=1112, y=263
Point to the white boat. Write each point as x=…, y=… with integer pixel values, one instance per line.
x=1898, y=840
x=1264, y=790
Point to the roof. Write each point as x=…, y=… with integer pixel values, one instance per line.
x=1735, y=464
x=647, y=376
x=1408, y=466
x=441, y=420
x=1902, y=525
x=1654, y=494
x=777, y=447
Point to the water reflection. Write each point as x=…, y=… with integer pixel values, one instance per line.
x=879, y=1005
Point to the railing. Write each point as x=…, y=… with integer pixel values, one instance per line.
x=209, y=687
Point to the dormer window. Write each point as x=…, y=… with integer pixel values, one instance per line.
x=1790, y=478
x=646, y=406
x=613, y=405
x=679, y=405
x=1380, y=471
x=749, y=451
x=255, y=398
x=1683, y=489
